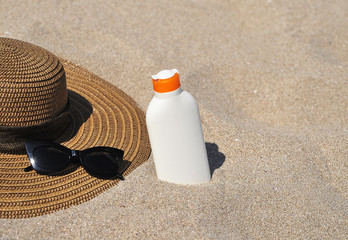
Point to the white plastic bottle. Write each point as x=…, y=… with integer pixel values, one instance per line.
x=175, y=132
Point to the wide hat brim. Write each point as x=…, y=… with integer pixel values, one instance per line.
x=103, y=115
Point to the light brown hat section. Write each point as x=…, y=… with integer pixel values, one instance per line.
x=102, y=115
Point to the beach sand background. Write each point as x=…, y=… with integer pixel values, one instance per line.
x=271, y=80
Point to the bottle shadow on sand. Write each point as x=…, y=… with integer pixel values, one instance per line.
x=215, y=158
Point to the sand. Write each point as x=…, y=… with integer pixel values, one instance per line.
x=271, y=81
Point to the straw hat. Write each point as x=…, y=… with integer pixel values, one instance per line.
x=45, y=97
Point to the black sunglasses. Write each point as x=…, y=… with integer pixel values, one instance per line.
x=52, y=158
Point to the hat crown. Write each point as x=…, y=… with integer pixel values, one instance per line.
x=32, y=84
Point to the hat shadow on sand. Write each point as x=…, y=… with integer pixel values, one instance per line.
x=215, y=157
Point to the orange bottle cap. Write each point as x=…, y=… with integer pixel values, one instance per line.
x=166, y=81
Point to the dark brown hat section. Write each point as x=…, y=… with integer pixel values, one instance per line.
x=100, y=114
x=32, y=83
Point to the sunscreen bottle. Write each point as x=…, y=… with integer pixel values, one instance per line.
x=175, y=132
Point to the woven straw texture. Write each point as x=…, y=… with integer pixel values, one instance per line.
x=32, y=81
x=103, y=115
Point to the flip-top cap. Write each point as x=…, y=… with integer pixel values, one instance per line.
x=166, y=81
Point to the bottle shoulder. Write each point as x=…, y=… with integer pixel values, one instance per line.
x=165, y=97
x=181, y=100
x=184, y=103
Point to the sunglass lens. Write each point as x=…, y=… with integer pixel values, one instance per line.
x=103, y=164
x=50, y=159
